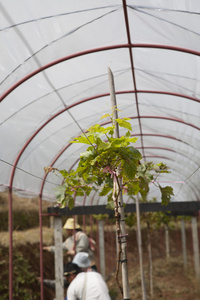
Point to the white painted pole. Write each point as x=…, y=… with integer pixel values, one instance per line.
x=125, y=283
x=58, y=254
x=184, y=248
x=150, y=259
x=195, y=247
x=101, y=248
x=51, y=221
x=139, y=238
x=167, y=241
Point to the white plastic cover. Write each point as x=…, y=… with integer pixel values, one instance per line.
x=54, y=57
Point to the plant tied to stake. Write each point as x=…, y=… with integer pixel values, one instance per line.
x=107, y=158
x=110, y=166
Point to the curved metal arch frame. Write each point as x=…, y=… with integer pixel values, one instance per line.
x=130, y=46
x=139, y=91
x=91, y=51
x=74, y=104
x=154, y=117
x=97, y=50
x=84, y=53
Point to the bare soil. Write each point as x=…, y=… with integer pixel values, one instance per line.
x=170, y=280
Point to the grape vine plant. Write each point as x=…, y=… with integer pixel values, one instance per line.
x=110, y=166
x=106, y=158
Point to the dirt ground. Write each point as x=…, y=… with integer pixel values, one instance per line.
x=170, y=280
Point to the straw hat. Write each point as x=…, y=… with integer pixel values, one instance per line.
x=82, y=260
x=71, y=224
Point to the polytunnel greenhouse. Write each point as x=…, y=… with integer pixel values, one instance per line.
x=61, y=62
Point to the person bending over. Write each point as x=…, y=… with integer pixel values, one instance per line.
x=84, y=282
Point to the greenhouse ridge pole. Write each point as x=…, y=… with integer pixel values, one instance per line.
x=122, y=238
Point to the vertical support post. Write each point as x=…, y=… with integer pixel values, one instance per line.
x=59, y=281
x=51, y=221
x=97, y=245
x=139, y=237
x=84, y=224
x=184, y=249
x=125, y=283
x=91, y=225
x=150, y=259
x=51, y=218
x=10, y=218
x=195, y=247
x=41, y=251
x=167, y=241
x=109, y=250
x=101, y=248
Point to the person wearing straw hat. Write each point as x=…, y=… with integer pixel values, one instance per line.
x=84, y=282
x=77, y=241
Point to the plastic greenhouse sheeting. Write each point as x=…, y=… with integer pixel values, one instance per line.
x=54, y=60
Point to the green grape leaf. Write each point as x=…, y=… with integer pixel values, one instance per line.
x=110, y=205
x=83, y=140
x=135, y=153
x=130, y=169
x=132, y=140
x=166, y=193
x=79, y=193
x=134, y=188
x=60, y=192
x=64, y=173
x=123, y=123
x=105, y=116
x=71, y=203
x=87, y=154
x=105, y=190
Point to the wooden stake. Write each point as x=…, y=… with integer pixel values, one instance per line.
x=101, y=248
x=196, y=248
x=139, y=238
x=167, y=241
x=58, y=258
x=119, y=210
x=184, y=248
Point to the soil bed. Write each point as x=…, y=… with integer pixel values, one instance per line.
x=170, y=280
